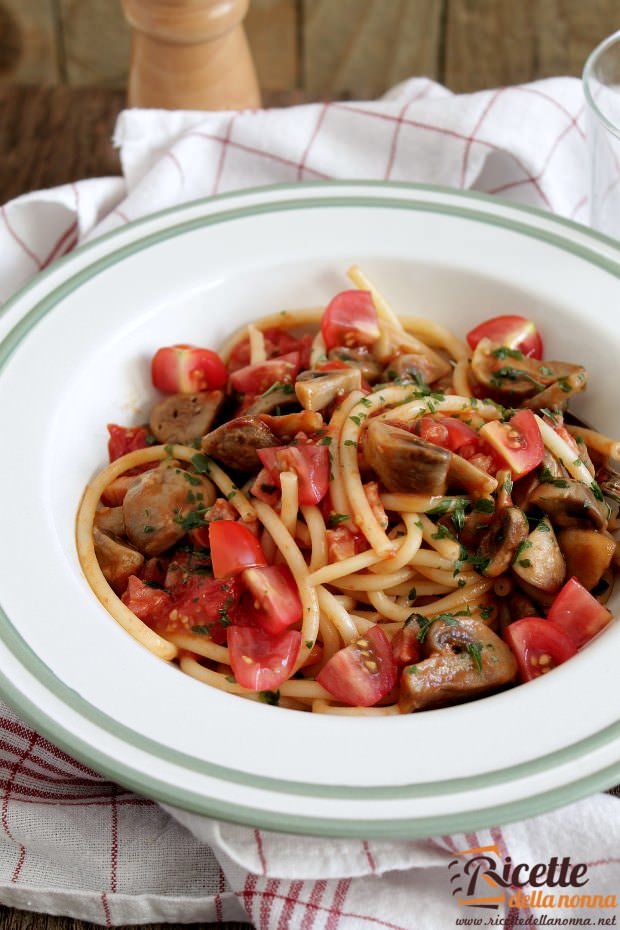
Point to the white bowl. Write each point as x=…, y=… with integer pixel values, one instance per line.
x=74, y=357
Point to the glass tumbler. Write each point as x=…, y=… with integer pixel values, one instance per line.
x=601, y=85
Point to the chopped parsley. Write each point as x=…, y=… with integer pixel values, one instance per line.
x=202, y=629
x=148, y=529
x=425, y=623
x=202, y=463
x=525, y=563
x=412, y=595
x=475, y=651
x=350, y=442
x=270, y=697
x=335, y=519
x=484, y=505
x=326, y=441
x=505, y=352
x=358, y=419
x=442, y=533
x=281, y=386
x=546, y=476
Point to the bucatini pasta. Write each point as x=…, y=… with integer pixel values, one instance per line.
x=350, y=511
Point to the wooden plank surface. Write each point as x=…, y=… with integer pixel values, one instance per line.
x=359, y=48
x=28, y=42
x=11, y=919
x=493, y=42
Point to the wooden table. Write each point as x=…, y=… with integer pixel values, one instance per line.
x=50, y=136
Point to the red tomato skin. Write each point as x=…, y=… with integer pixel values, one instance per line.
x=578, y=613
x=518, y=442
x=406, y=646
x=276, y=595
x=187, y=369
x=233, y=548
x=431, y=430
x=260, y=661
x=531, y=638
x=516, y=332
x=148, y=604
x=350, y=677
x=448, y=432
x=256, y=379
x=278, y=341
x=124, y=439
x=205, y=602
x=350, y=319
x=309, y=462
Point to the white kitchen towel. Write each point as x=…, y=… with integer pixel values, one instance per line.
x=71, y=842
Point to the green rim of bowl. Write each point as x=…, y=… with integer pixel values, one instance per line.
x=197, y=802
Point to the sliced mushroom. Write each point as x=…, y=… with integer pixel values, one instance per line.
x=588, y=554
x=287, y=426
x=405, y=462
x=357, y=358
x=507, y=530
x=558, y=394
x=236, y=442
x=117, y=560
x=539, y=561
x=569, y=503
x=316, y=389
x=280, y=395
x=184, y=417
x=466, y=659
x=407, y=368
x=156, y=505
x=110, y=520
x=394, y=342
x=508, y=375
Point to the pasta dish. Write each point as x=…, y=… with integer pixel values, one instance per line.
x=355, y=512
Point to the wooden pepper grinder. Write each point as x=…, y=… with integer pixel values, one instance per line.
x=190, y=55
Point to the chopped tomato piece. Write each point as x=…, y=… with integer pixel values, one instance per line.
x=276, y=595
x=278, y=341
x=518, y=442
x=183, y=566
x=371, y=490
x=350, y=320
x=449, y=432
x=538, y=646
x=406, y=646
x=185, y=369
x=361, y=673
x=264, y=488
x=432, y=430
x=206, y=606
x=260, y=661
x=124, y=439
x=578, y=613
x=233, y=548
x=311, y=464
x=221, y=510
x=344, y=541
x=151, y=605
x=515, y=332
x=256, y=379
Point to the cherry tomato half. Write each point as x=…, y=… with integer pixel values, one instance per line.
x=578, y=613
x=256, y=379
x=276, y=596
x=278, y=341
x=260, y=661
x=516, y=332
x=406, y=646
x=310, y=463
x=233, y=548
x=124, y=439
x=449, y=432
x=361, y=673
x=185, y=369
x=518, y=442
x=350, y=319
x=538, y=646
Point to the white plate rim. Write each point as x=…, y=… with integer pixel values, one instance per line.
x=563, y=235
